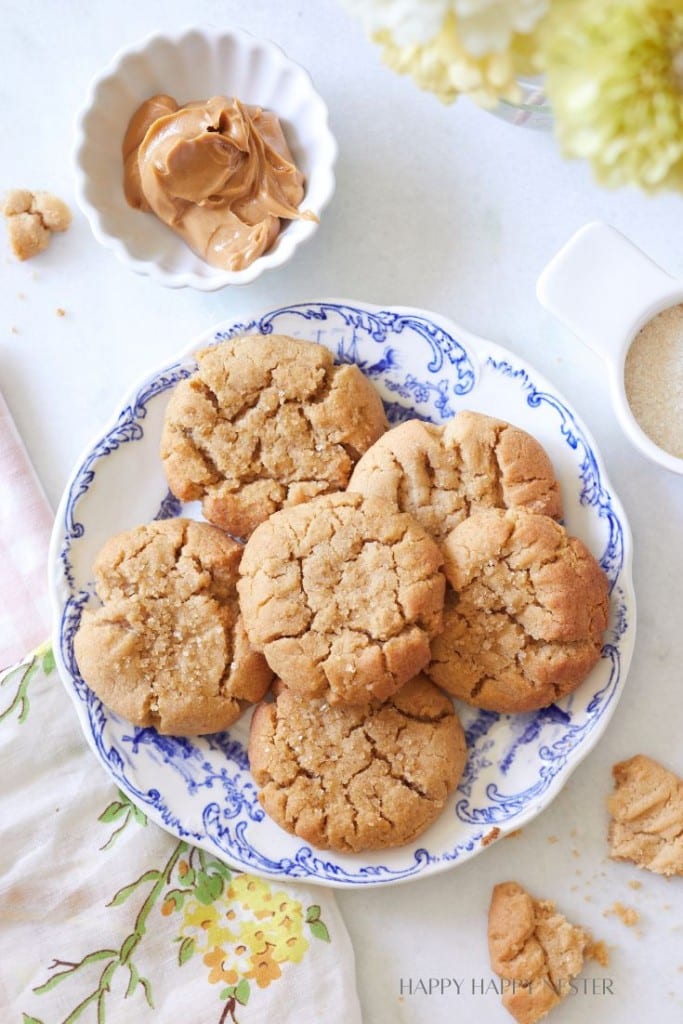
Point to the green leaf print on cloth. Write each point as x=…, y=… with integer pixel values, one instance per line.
x=235, y=933
x=19, y=677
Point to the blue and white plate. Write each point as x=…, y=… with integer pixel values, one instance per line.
x=200, y=788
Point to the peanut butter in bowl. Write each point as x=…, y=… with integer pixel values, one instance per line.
x=218, y=172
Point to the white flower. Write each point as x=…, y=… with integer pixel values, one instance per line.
x=484, y=26
x=487, y=26
x=410, y=22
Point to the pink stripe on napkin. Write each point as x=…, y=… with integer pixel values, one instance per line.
x=25, y=525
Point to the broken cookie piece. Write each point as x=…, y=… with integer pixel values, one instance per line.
x=31, y=219
x=535, y=949
x=647, y=816
x=363, y=777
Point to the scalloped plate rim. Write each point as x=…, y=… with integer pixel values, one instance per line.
x=535, y=807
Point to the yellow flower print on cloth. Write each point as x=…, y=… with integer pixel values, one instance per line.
x=241, y=933
x=247, y=934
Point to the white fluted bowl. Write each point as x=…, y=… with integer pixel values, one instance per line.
x=192, y=65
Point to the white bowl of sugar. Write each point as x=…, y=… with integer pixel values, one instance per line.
x=629, y=311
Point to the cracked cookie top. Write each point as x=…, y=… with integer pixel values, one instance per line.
x=342, y=595
x=266, y=421
x=534, y=947
x=167, y=647
x=357, y=778
x=442, y=474
x=524, y=620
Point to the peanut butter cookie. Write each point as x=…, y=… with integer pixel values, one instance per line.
x=647, y=816
x=342, y=595
x=357, y=778
x=534, y=948
x=524, y=620
x=441, y=475
x=167, y=648
x=266, y=422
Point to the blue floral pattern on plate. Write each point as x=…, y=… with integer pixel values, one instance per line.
x=200, y=788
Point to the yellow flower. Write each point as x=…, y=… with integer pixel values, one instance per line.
x=253, y=893
x=216, y=960
x=615, y=81
x=247, y=932
x=204, y=924
x=282, y=932
x=264, y=968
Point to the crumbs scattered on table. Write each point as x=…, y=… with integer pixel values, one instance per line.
x=635, y=884
x=60, y=312
x=513, y=835
x=14, y=329
x=598, y=951
x=491, y=836
x=575, y=852
x=553, y=839
x=628, y=915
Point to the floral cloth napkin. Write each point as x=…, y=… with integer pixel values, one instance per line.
x=104, y=917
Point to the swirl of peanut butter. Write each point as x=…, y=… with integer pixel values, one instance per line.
x=218, y=172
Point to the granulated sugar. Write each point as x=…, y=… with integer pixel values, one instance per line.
x=653, y=378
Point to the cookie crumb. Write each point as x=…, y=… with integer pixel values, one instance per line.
x=31, y=219
x=598, y=951
x=14, y=329
x=60, y=312
x=513, y=835
x=628, y=915
x=491, y=836
x=553, y=839
x=635, y=884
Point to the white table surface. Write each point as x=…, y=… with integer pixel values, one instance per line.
x=449, y=209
